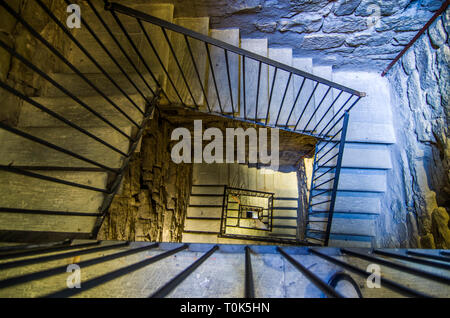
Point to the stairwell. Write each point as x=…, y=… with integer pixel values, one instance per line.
x=366, y=154
x=203, y=218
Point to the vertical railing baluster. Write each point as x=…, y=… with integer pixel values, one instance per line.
x=313, y=278
x=404, y=290
x=317, y=108
x=334, y=116
x=136, y=50
x=329, y=108
x=347, y=110
x=311, y=189
x=197, y=71
x=229, y=80
x=93, y=61
x=122, y=50
x=213, y=76
x=179, y=66
x=244, y=87
x=150, y=42
x=271, y=93
x=306, y=106
x=284, y=97
x=336, y=178
x=257, y=92
x=295, y=101
x=57, y=116
x=249, y=285
x=105, y=49
x=173, y=283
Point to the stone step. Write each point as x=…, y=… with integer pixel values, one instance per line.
x=344, y=240
x=283, y=231
x=356, y=180
x=285, y=185
x=46, y=223
x=282, y=55
x=283, y=235
x=85, y=65
x=350, y=241
x=357, y=155
x=230, y=36
x=77, y=86
x=284, y=222
x=29, y=193
x=215, y=212
x=210, y=174
x=290, y=202
x=200, y=25
x=350, y=202
x=162, y=11
x=23, y=152
x=202, y=225
x=205, y=200
x=252, y=70
x=234, y=175
x=31, y=116
x=213, y=239
x=370, y=132
x=375, y=107
x=269, y=177
x=276, y=232
x=306, y=65
x=252, y=179
x=345, y=225
x=284, y=212
x=202, y=189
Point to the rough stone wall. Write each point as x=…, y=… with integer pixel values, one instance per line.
x=344, y=33
x=420, y=86
x=14, y=34
x=155, y=192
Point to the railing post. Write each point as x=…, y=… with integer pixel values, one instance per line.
x=310, y=194
x=249, y=285
x=336, y=177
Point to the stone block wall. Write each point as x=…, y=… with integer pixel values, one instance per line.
x=366, y=34
x=420, y=87
x=155, y=192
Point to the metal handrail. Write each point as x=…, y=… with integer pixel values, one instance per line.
x=121, y=261
x=112, y=6
x=315, y=184
x=227, y=48
x=151, y=96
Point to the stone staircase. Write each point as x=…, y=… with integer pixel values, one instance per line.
x=203, y=218
x=366, y=158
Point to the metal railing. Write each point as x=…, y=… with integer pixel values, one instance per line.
x=151, y=97
x=321, y=120
x=300, y=123
x=132, y=257
x=324, y=185
x=303, y=116
x=229, y=213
